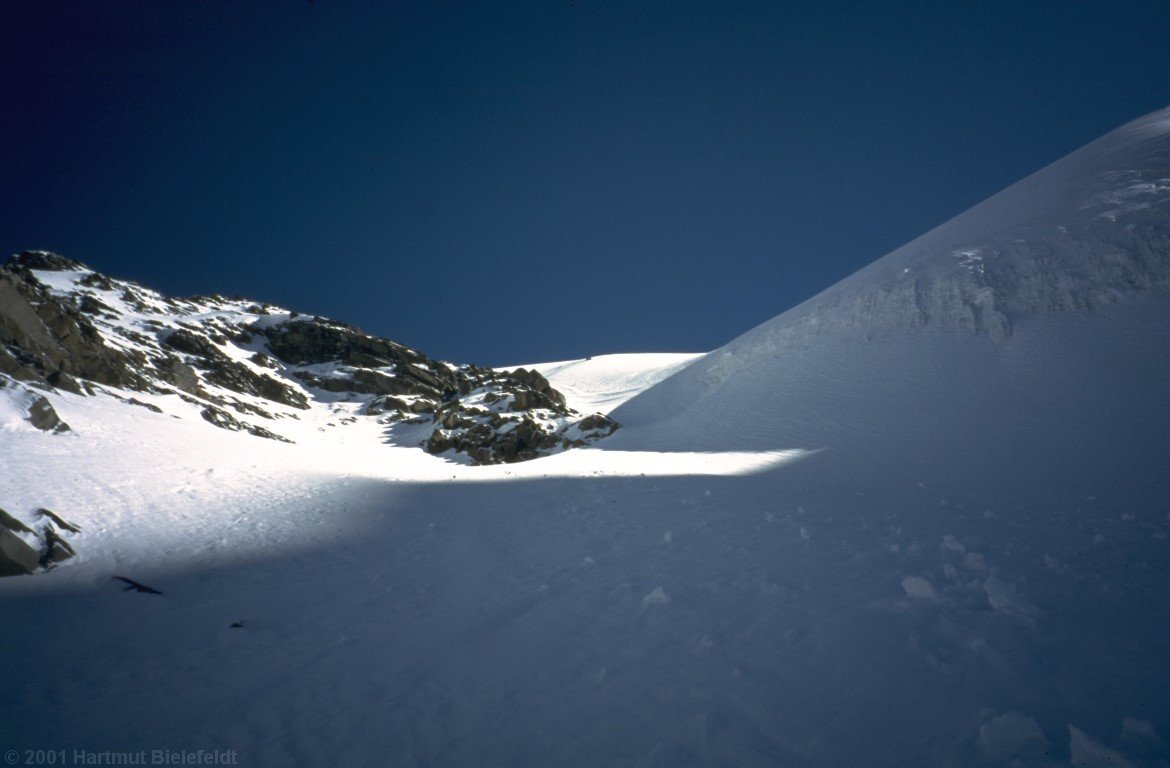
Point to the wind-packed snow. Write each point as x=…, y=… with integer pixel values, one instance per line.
x=896, y=526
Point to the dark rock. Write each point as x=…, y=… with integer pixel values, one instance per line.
x=16, y=556
x=440, y=441
x=386, y=404
x=95, y=280
x=225, y=420
x=303, y=342
x=67, y=343
x=238, y=377
x=63, y=381
x=147, y=406
x=43, y=417
x=176, y=372
x=193, y=344
x=378, y=383
x=44, y=260
x=94, y=306
x=353, y=357
x=431, y=380
x=534, y=381
x=14, y=366
x=56, y=549
x=57, y=520
x=598, y=422
x=224, y=372
x=12, y=524
x=54, y=336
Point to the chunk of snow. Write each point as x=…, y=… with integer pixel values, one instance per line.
x=1011, y=735
x=1087, y=753
x=657, y=596
x=918, y=588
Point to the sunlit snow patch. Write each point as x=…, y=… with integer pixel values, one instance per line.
x=590, y=462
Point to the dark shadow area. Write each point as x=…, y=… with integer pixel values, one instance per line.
x=773, y=619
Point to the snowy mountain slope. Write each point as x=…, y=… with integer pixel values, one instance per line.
x=1088, y=232
x=900, y=539
x=256, y=368
x=604, y=382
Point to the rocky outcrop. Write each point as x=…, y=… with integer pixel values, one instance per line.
x=504, y=417
x=52, y=341
x=222, y=371
x=320, y=340
x=23, y=551
x=225, y=420
x=37, y=409
x=17, y=558
x=42, y=416
x=244, y=364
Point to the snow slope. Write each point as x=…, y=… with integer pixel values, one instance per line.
x=604, y=382
x=964, y=331
x=891, y=527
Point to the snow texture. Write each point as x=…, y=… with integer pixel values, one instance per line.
x=919, y=520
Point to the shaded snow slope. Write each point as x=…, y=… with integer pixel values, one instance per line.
x=878, y=351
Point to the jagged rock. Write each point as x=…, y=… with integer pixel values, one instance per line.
x=225, y=420
x=490, y=438
x=193, y=344
x=62, y=380
x=12, y=524
x=54, y=336
x=17, y=558
x=239, y=378
x=224, y=372
x=70, y=339
x=597, y=422
x=366, y=361
x=42, y=416
x=93, y=306
x=366, y=381
x=534, y=382
x=57, y=520
x=45, y=260
x=393, y=404
x=306, y=343
x=56, y=549
x=176, y=372
x=97, y=280
x=147, y=406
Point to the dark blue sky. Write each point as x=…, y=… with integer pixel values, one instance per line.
x=504, y=183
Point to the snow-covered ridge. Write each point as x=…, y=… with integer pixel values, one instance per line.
x=1082, y=233
x=259, y=368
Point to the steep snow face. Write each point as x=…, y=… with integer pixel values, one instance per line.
x=1031, y=311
